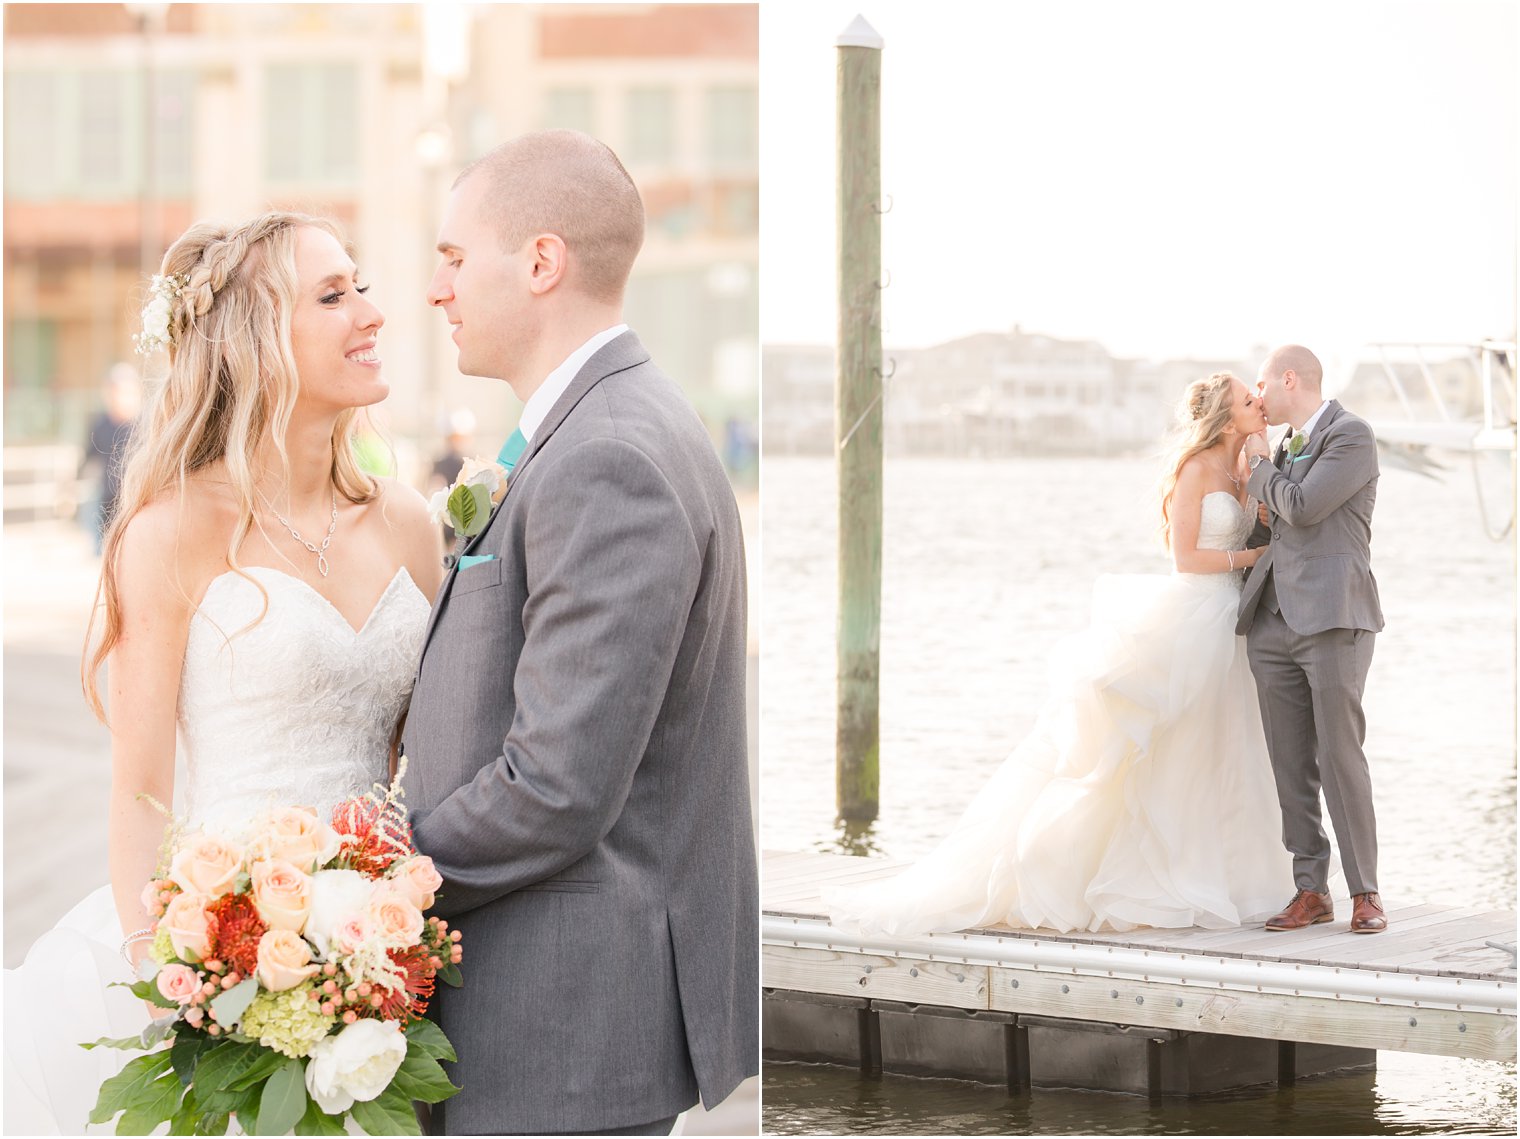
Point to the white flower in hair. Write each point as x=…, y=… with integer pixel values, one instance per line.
x=156, y=327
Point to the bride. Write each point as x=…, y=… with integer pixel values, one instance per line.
x=263, y=600
x=1143, y=796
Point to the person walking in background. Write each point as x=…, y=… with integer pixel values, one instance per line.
x=109, y=433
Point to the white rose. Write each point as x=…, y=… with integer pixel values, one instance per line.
x=355, y=1064
x=475, y=472
x=336, y=895
x=438, y=506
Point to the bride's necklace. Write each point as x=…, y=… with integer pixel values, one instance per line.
x=321, y=552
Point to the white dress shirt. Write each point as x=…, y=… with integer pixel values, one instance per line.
x=536, y=410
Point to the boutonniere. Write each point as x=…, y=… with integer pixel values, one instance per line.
x=466, y=504
x=1297, y=444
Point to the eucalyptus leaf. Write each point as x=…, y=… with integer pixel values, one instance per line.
x=230, y=1006
x=121, y=1090
x=153, y=1104
x=428, y=1039
x=284, y=1100
x=390, y=1113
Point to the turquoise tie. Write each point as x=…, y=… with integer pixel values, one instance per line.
x=512, y=450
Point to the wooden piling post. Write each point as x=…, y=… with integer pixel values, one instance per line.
x=858, y=422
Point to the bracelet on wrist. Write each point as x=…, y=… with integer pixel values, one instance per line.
x=135, y=936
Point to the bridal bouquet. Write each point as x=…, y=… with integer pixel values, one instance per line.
x=295, y=965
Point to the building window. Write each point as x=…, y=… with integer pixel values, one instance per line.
x=82, y=133
x=571, y=108
x=311, y=124
x=732, y=127
x=651, y=127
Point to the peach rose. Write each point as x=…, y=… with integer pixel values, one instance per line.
x=205, y=864
x=297, y=836
x=282, y=893
x=351, y=933
x=284, y=960
x=188, y=925
x=418, y=880
x=396, y=920
x=178, y=983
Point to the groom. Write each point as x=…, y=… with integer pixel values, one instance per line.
x=1310, y=612
x=576, y=736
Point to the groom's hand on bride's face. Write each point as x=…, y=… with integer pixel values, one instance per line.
x=1256, y=446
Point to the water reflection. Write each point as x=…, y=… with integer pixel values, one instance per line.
x=811, y=1099
x=851, y=837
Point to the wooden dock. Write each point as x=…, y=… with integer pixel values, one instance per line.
x=1429, y=984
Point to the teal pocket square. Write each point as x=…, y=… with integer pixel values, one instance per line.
x=468, y=560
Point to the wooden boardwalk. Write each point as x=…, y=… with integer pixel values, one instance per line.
x=1429, y=984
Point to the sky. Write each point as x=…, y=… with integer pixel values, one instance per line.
x=1171, y=178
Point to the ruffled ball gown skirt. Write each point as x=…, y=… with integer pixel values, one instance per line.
x=1142, y=797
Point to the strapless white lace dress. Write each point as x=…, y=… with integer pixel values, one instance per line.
x=1142, y=797
x=298, y=709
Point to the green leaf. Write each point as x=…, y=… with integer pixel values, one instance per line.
x=152, y=1105
x=189, y=1116
x=132, y=1042
x=390, y=1113
x=318, y=1122
x=223, y=1063
x=186, y=1052
x=421, y=1078
x=428, y=1039
x=121, y=1090
x=450, y=975
x=265, y=1066
x=230, y=1006
x=462, y=508
x=284, y=1100
x=248, y=1117
x=213, y=1123
x=226, y=1102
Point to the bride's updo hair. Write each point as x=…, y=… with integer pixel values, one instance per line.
x=232, y=384
x=1205, y=411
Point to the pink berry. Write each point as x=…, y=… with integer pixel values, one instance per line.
x=350, y=1017
x=364, y=988
x=327, y=1008
x=376, y=1001
x=329, y=987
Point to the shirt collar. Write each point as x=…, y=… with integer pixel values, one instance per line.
x=1313, y=419
x=536, y=410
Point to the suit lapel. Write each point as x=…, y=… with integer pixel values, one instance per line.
x=1297, y=471
x=617, y=355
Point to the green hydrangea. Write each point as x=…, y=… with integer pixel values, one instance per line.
x=289, y=1022
x=162, y=949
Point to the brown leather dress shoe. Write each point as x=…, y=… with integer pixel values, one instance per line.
x=1306, y=908
x=1367, y=914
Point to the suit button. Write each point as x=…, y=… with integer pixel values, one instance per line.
x=1275, y=535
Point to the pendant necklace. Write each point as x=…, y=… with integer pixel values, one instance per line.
x=322, y=566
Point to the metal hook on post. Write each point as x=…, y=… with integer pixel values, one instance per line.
x=888, y=208
x=887, y=284
x=891, y=371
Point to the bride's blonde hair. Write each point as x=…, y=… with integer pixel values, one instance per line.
x=1205, y=411
x=232, y=383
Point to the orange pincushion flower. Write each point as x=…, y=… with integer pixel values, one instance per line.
x=236, y=929
x=378, y=836
x=413, y=1000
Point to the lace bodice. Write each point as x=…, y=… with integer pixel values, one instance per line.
x=299, y=709
x=1223, y=524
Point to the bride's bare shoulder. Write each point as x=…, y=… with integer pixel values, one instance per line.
x=177, y=541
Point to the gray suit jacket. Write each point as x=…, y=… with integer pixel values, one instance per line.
x=1320, y=503
x=578, y=773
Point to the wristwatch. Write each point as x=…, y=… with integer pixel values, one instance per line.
x=1254, y=459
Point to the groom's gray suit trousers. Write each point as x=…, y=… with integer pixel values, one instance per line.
x=1310, y=691
x=1310, y=613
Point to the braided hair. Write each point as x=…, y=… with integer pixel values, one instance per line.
x=231, y=385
